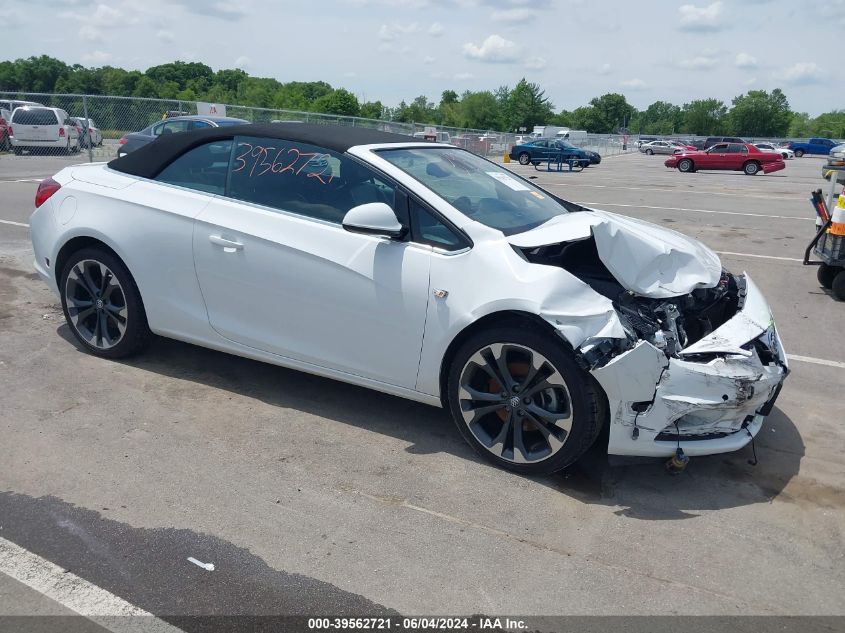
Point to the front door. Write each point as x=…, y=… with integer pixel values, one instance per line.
x=280, y=274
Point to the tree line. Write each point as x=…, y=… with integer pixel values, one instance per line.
x=757, y=113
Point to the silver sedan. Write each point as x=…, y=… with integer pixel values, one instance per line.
x=659, y=147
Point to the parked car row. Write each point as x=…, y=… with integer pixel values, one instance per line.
x=30, y=126
x=787, y=149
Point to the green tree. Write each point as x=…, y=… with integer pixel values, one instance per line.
x=704, y=117
x=480, y=110
x=526, y=106
x=371, y=110
x=339, y=101
x=759, y=113
x=612, y=111
x=661, y=117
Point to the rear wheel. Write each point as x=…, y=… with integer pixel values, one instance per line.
x=838, y=286
x=799, y=153
x=826, y=274
x=650, y=152
x=524, y=158
x=520, y=400
x=685, y=165
x=102, y=305
x=751, y=168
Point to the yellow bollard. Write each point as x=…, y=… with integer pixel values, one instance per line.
x=507, y=158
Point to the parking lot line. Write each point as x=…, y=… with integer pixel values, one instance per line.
x=817, y=361
x=645, y=206
x=26, y=226
x=783, y=259
x=75, y=593
x=672, y=189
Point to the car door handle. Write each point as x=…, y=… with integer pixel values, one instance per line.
x=230, y=246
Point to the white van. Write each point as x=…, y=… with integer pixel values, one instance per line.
x=38, y=127
x=7, y=106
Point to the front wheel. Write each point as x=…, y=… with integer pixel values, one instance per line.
x=524, y=158
x=650, y=152
x=102, y=304
x=838, y=286
x=685, y=165
x=799, y=153
x=751, y=168
x=520, y=400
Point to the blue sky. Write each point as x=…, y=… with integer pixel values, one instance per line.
x=394, y=49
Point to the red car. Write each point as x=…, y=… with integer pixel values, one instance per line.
x=5, y=141
x=734, y=156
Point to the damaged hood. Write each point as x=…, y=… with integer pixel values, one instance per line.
x=646, y=259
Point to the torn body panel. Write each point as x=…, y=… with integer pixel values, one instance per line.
x=715, y=403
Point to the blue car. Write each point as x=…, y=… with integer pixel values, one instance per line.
x=545, y=148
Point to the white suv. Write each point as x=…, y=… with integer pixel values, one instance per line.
x=33, y=128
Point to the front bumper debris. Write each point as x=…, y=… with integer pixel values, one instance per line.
x=713, y=399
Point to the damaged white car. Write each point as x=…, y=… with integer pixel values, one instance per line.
x=419, y=270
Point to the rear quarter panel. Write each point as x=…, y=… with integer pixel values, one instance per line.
x=150, y=227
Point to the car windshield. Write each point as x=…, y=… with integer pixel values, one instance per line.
x=478, y=188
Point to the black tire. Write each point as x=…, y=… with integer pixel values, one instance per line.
x=524, y=158
x=136, y=335
x=650, y=152
x=686, y=165
x=826, y=274
x=799, y=153
x=17, y=150
x=751, y=168
x=586, y=402
x=838, y=286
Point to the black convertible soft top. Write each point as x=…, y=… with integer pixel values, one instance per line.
x=150, y=159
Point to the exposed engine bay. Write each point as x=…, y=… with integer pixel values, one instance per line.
x=670, y=324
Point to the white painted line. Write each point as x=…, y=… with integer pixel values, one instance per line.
x=26, y=226
x=817, y=361
x=762, y=195
x=75, y=593
x=645, y=206
x=783, y=259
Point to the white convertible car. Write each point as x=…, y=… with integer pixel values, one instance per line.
x=419, y=270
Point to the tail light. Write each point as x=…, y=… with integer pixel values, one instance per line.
x=61, y=132
x=123, y=141
x=46, y=188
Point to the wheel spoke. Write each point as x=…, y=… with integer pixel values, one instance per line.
x=550, y=435
x=469, y=393
x=562, y=420
x=80, y=281
x=520, y=453
x=496, y=359
x=79, y=303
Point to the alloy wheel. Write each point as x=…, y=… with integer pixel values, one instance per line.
x=515, y=403
x=96, y=304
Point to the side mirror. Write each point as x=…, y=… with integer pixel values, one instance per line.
x=373, y=218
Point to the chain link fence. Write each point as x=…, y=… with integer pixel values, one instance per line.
x=111, y=118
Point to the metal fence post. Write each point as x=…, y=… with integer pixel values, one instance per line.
x=88, y=128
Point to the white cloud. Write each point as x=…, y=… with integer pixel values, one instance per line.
x=391, y=32
x=695, y=18
x=436, y=29
x=242, y=62
x=535, y=63
x=105, y=15
x=699, y=62
x=634, y=84
x=97, y=58
x=428, y=59
x=90, y=33
x=463, y=76
x=744, y=60
x=604, y=69
x=513, y=16
x=801, y=73
x=165, y=36
x=494, y=49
